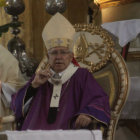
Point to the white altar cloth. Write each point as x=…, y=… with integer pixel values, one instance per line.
x=53, y=135
x=125, y=30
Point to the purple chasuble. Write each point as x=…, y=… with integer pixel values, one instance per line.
x=81, y=94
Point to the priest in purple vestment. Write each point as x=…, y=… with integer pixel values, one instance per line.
x=61, y=95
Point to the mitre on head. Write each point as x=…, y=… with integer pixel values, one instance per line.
x=58, y=32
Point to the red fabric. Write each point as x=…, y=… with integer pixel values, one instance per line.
x=125, y=51
x=75, y=62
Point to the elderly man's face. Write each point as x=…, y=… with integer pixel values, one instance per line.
x=59, y=58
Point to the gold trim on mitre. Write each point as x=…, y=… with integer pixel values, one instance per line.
x=58, y=32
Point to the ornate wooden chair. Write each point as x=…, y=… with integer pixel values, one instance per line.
x=94, y=50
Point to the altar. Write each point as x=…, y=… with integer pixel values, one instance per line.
x=52, y=135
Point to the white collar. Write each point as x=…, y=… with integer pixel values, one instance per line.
x=66, y=75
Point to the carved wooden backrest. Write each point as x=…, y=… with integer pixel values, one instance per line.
x=94, y=50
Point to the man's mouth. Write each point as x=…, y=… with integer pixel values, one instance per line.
x=58, y=63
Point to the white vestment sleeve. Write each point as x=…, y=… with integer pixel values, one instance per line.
x=7, y=92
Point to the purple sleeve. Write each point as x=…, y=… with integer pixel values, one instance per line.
x=94, y=101
x=18, y=100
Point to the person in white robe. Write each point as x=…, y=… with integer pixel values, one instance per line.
x=11, y=79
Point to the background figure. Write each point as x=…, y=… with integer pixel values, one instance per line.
x=60, y=95
x=11, y=80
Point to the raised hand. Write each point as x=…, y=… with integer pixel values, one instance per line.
x=41, y=77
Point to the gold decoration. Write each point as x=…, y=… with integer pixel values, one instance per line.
x=81, y=48
x=122, y=92
x=99, y=46
x=113, y=3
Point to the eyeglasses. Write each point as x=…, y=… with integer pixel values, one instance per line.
x=61, y=52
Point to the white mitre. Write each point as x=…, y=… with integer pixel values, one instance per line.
x=58, y=32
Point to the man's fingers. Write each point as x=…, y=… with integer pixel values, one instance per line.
x=44, y=74
x=77, y=123
x=41, y=77
x=82, y=121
